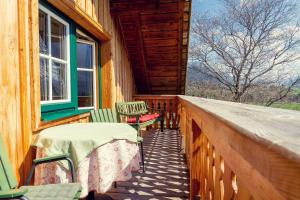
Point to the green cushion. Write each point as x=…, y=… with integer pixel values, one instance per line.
x=53, y=191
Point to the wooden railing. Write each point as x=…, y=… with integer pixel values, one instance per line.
x=238, y=151
x=167, y=103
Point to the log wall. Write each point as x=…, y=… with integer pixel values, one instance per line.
x=19, y=69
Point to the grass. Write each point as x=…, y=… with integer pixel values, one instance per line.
x=290, y=106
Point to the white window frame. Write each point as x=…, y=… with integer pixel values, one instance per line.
x=93, y=44
x=58, y=60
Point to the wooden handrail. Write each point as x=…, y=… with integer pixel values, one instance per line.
x=239, y=151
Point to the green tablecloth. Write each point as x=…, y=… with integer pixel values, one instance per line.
x=80, y=139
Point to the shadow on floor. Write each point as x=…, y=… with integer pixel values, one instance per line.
x=166, y=175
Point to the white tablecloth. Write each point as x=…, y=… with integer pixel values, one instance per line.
x=98, y=171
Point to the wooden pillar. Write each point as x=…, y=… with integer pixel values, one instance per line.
x=107, y=75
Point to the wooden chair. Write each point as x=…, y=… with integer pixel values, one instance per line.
x=139, y=115
x=8, y=181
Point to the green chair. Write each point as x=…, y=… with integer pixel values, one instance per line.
x=139, y=115
x=8, y=181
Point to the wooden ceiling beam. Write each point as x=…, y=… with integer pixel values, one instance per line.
x=141, y=6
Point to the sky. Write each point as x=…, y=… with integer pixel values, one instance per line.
x=203, y=6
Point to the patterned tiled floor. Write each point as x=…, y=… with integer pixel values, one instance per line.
x=166, y=175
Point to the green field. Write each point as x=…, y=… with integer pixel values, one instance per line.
x=290, y=106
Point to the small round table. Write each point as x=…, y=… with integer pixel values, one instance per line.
x=102, y=153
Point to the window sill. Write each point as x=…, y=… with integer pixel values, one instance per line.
x=47, y=117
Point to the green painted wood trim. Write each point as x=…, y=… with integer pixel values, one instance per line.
x=98, y=46
x=62, y=114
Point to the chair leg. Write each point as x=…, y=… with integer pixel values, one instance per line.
x=162, y=125
x=91, y=196
x=142, y=154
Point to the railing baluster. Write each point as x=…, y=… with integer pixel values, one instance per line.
x=218, y=177
x=155, y=108
x=168, y=112
x=227, y=178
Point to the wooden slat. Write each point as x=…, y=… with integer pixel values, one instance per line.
x=227, y=178
x=93, y=116
x=218, y=178
x=105, y=115
x=101, y=115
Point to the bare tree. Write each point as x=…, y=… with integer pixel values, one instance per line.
x=248, y=44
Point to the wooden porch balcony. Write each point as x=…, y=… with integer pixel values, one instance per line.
x=233, y=151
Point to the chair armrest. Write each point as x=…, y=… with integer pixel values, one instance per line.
x=13, y=193
x=50, y=159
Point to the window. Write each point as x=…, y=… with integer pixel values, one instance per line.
x=68, y=66
x=86, y=73
x=54, y=57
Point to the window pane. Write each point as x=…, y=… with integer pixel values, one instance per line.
x=44, y=79
x=58, y=39
x=84, y=55
x=85, y=89
x=43, y=31
x=59, y=81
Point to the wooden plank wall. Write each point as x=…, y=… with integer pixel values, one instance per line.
x=19, y=72
x=15, y=125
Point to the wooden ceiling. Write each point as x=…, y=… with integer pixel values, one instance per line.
x=156, y=34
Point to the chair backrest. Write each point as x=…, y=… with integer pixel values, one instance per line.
x=7, y=176
x=131, y=108
x=104, y=115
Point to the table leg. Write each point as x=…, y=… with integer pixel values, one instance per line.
x=91, y=195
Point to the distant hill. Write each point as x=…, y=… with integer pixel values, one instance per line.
x=194, y=74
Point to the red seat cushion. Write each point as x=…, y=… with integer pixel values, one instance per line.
x=143, y=118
